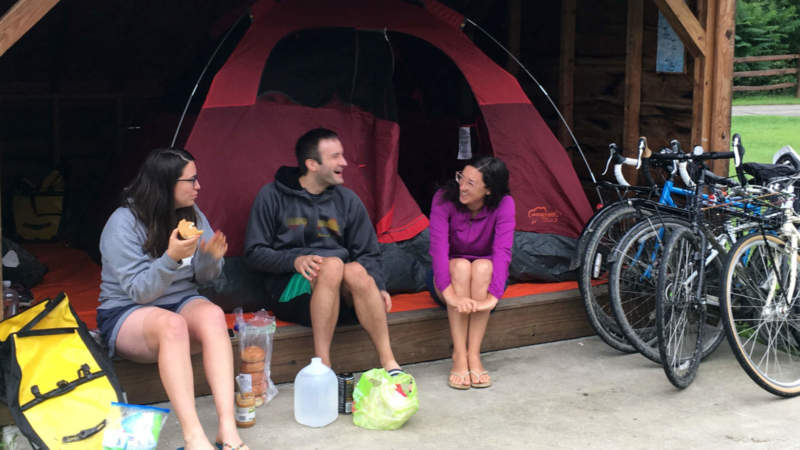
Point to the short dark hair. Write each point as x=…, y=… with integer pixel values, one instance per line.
x=495, y=177
x=307, y=146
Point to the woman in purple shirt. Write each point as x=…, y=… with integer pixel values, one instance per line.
x=471, y=232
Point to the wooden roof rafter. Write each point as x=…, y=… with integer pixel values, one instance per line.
x=20, y=18
x=685, y=24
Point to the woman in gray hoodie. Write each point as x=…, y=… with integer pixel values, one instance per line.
x=150, y=309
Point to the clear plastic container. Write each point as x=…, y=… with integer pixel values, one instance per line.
x=316, y=393
x=10, y=300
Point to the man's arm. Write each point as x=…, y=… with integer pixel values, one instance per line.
x=259, y=238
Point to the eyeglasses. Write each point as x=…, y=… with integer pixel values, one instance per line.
x=194, y=180
x=460, y=178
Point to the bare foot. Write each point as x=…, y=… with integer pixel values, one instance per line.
x=458, y=374
x=230, y=440
x=198, y=443
x=478, y=375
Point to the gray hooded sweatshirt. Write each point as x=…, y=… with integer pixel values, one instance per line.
x=287, y=221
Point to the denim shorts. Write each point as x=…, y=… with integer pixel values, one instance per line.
x=109, y=320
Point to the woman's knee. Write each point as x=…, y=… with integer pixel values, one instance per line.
x=482, y=269
x=460, y=269
x=171, y=327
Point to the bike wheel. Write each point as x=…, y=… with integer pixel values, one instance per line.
x=761, y=319
x=680, y=317
x=593, y=270
x=633, y=280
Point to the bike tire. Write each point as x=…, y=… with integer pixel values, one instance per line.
x=679, y=318
x=593, y=268
x=764, y=334
x=633, y=279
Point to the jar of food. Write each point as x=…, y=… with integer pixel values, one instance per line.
x=245, y=410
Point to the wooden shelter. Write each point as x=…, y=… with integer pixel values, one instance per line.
x=597, y=59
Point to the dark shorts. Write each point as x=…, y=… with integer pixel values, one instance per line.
x=297, y=309
x=432, y=289
x=109, y=321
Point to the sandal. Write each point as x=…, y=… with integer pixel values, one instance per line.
x=226, y=446
x=462, y=376
x=478, y=375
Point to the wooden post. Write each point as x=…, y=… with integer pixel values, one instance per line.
x=20, y=18
x=722, y=81
x=566, y=82
x=703, y=65
x=797, y=93
x=633, y=81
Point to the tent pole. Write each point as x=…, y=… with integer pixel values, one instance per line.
x=549, y=99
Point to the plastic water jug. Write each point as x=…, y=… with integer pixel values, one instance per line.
x=316, y=395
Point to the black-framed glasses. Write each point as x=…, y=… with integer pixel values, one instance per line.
x=194, y=180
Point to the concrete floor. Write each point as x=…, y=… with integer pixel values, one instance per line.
x=569, y=394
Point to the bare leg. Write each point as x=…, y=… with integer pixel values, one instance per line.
x=370, y=310
x=460, y=275
x=155, y=334
x=325, y=306
x=481, y=277
x=207, y=327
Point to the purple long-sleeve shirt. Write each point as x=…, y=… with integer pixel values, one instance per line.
x=456, y=234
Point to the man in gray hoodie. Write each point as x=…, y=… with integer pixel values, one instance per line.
x=314, y=240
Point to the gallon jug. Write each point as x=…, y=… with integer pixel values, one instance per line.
x=316, y=395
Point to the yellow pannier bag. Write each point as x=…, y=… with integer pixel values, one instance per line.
x=56, y=380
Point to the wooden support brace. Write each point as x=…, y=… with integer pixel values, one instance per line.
x=20, y=18
x=685, y=24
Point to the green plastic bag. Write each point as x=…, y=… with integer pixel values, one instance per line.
x=384, y=402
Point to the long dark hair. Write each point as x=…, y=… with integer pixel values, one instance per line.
x=495, y=177
x=151, y=197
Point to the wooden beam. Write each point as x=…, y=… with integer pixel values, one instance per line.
x=633, y=81
x=685, y=24
x=703, y=65
x=724, y=32
x=566, y=82
x=20, y=18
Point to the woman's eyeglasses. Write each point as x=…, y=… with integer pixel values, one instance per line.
x=194, y=180
x=460, y=178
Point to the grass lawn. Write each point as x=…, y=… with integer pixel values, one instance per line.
x=762, y=136
x=764, y=99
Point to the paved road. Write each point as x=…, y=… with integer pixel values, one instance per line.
x=766, y=110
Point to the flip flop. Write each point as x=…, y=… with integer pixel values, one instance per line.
x=226, y=446
x=462, y=376
x=478, y=375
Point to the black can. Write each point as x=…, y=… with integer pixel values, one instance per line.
x=345, y=392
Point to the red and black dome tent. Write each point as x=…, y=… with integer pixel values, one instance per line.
x=395, y=80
